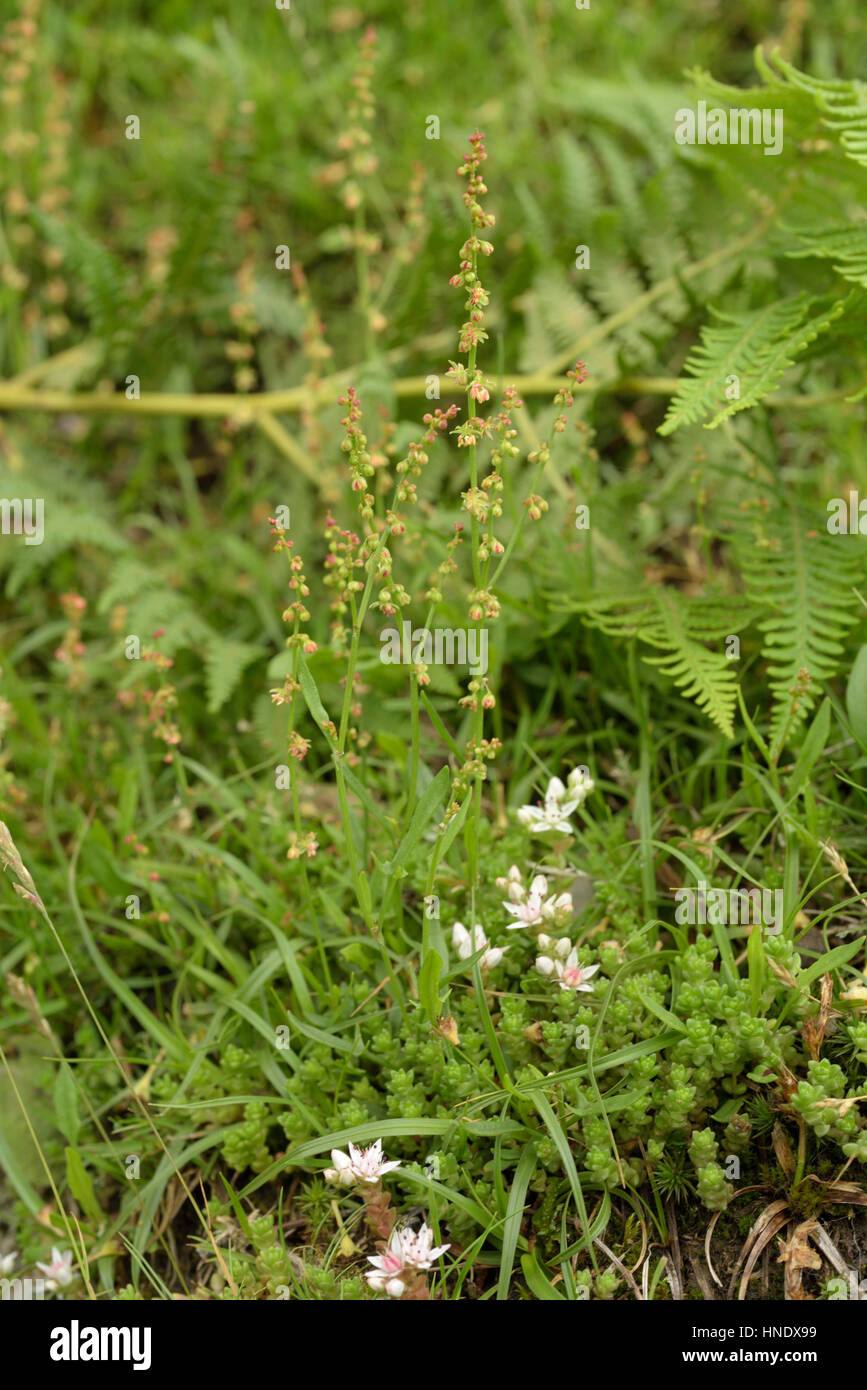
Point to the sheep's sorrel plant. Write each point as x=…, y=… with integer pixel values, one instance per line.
x=361, y=574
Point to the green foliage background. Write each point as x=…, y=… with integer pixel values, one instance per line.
x=610, y=650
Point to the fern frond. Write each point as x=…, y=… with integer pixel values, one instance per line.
x=225, y=663
x=684, y=630
x=704, y=675
x=843, y=104
x=753, y=349
x=102, y=282
x=621, y=177
x=555, y=316
x=76, y=516
x=579, y=185
x=806, y=578
x=845, y=245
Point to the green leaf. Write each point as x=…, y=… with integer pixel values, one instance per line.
x=856, y=697
x=727, y=1110
x=831, y=960
x=428, y=982
x=651, y=1003
x=364, y=899
x=514, y=1213
x=80, y=1185
x=311, y=697
x=538, y=1282
x=756, y=967
x=66, y=1103
x=811, y=749
x=433, y=797
x=555, y=1129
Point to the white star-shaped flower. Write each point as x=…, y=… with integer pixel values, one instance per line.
x=59, y=1272
x=467, y=945
x=570, y=975
x=359, y=1165
x=553, y=813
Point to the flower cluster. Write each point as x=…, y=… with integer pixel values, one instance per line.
x=472, y=333
x=531, y=906
x=71, y=649
x=478, y=753
x=410, y=468
x=341, y=562
x=296, y=612
x=447, y=567
x=359, y=1165
x=160, y=701
x=563, y=966
x=407, y=1254
x=355, y=445
x=559, y=804
x=467, y=944
x=308, y=846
